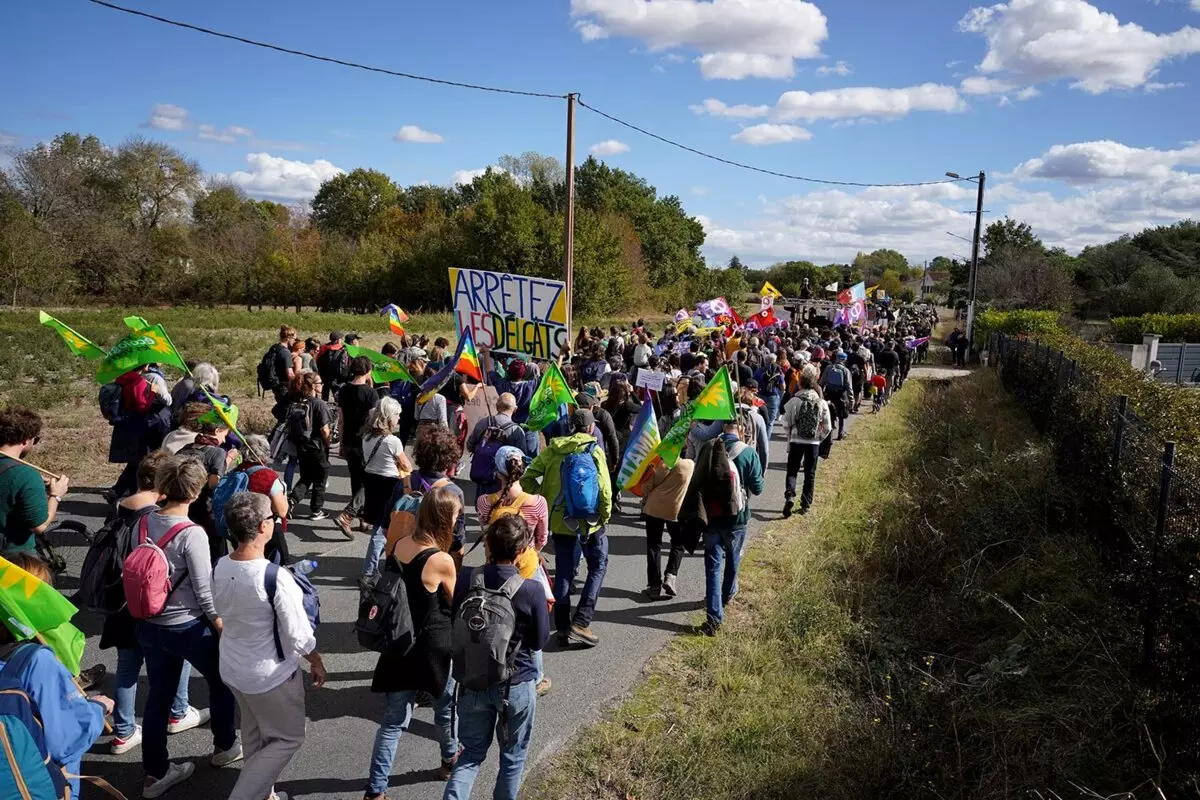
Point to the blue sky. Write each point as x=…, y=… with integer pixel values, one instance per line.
x=1083, y=114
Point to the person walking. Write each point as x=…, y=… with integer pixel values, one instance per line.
x=262, y=642
x=186, y=629
x=402, y=673
x=507, y=709
x=275, y=372
x=578, y=519
x=663, y=495
x=355, y=401
x=333, y=365
x=310, y=430
x=727, y=505
x=28, y=504
x=837, y=384
x=770, y=388
x=807, y=422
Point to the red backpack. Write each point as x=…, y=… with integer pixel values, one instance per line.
x=147, y=573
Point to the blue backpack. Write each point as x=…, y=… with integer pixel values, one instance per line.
x=231, y=483
x=28, y=766
x=580, y=493
x=309, y=596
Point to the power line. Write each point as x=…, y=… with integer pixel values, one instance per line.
x=501, y=90
x=751, y=167
x=326, y=59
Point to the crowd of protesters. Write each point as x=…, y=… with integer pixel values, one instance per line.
x=217, y=506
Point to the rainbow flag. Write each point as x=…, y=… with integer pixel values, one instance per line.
x=715, y=402
x=395, y=317
x=642, y=441
x=465, y=360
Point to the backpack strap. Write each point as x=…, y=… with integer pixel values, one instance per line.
x=271, y=583
x=144, y=535
x=511, y=586
x=17, y=658
x=737, y=449
x=7, y=464
x=99, y=783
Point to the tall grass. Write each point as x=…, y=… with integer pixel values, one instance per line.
x=930, y=632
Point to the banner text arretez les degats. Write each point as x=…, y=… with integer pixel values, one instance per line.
x=510, y=313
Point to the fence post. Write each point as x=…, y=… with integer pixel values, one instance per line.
x=1150, y=624
x=1179, y=367
x=1058, y=376
x=1119, y=431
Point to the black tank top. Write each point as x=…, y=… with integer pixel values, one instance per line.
x=427, y=665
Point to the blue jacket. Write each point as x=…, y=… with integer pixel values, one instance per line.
x=71, y=722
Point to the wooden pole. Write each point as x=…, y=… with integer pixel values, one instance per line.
x=569, y=227
x=45, y=472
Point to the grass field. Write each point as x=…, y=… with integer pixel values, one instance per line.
x=37, y=370
x=926, y=632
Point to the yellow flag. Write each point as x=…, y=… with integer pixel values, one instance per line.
x=767, y=288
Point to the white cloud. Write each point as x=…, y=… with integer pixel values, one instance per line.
x=9, y=139
x=840, y=68
x=464, y=177
x=714, y=107
x=609, y=147
x=952, y=64
x=1153, y=87
x=168, y=117
x=1088, y=162
x=1195, y=5
x=412, y=133
x=977, y=84
x=770, y=133
x=1028, y=93
x=280, y=179
x=211, y=133
x=862, y=101
x=736, y=38
x=1034, y=41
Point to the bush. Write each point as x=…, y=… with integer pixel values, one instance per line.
x=1172, y=327
x=1031, y=324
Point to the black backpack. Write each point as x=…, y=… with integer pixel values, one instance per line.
x=334, y=366
x=299, y=423
x=268, y=377
x=384, y=620
x=101, y=586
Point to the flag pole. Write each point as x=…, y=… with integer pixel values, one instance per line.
x=45, y=472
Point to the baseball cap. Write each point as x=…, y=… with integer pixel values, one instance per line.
x=582, y=421
x=352, y=337
x=335, y=336
x=504, y=455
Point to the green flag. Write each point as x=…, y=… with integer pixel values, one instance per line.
x=551, y=393
x=386, y=369
x=149, y=346
x=80, y=345
x=715, y=402
x=136, y=324
x=31, y=608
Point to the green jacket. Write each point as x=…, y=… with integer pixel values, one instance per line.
x=546, y=468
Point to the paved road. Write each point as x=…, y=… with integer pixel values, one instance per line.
x=343, y=716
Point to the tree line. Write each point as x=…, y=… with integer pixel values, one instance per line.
x=84, y=222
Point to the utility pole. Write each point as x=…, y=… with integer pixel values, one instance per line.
x=569, y=232
x=973, y=283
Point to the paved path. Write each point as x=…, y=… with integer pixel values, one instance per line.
x=344, y=715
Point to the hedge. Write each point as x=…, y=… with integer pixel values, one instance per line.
x=1030, y=324
x=1172, y=327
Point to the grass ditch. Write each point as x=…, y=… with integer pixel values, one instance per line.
x=931, y=631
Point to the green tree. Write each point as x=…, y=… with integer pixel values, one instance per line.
x=348, y=204
x=153, y=182
x=873, y=265
x=1009, y=235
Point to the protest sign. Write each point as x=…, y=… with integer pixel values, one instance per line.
x=650, y=379
x=510, y=313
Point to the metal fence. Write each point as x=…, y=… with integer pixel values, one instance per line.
x=1139, y=499
x=1180, y=363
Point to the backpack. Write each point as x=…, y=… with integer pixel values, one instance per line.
x=268, y=376
x=334, y=366
x=147, y=573
x=299, y=423
x=483, y=462
x=403, y=519
x=231, y=483
x=579, y=496
x=110, y=403
x=836, y=379
x=384, y=619
x=724, y=495
x=591, y=371
x=483, y=628
x=772, y=380
x=309, y=597
x=30, y=771
x=807, y=417
x=101, y=585
x=746, y=418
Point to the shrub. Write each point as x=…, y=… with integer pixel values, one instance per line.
x=1172, y=327
x=1032, y=324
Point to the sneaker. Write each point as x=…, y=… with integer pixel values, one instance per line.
x=803, y=510
x=177, y=772
x=447, y=767
x=788, y=505
x=564, y=638
x=543, y=686
x=669, y=585
x=223, y=758
x=584, y=636
x=91, y=676
x=193, y=718
x=653, y=592
x=119, y=746
x=317, y=516
x=710, y=628
x=343, y=524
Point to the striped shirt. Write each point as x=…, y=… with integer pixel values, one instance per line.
x=535, y=511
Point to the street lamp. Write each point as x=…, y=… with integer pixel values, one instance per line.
x=973, y=281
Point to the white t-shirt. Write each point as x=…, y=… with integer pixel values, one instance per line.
x=248, y=657
x=384, y=461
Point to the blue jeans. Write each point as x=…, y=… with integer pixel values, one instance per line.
x=772, y=409
x=289, y=472
x=478, y=722
x=129, y=667
x=166, y=649
x=539, y=661
x=568, y=549
x=374, y=551
x=721, y=543
x=397, y=714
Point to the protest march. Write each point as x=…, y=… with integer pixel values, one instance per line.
x=517, y=448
